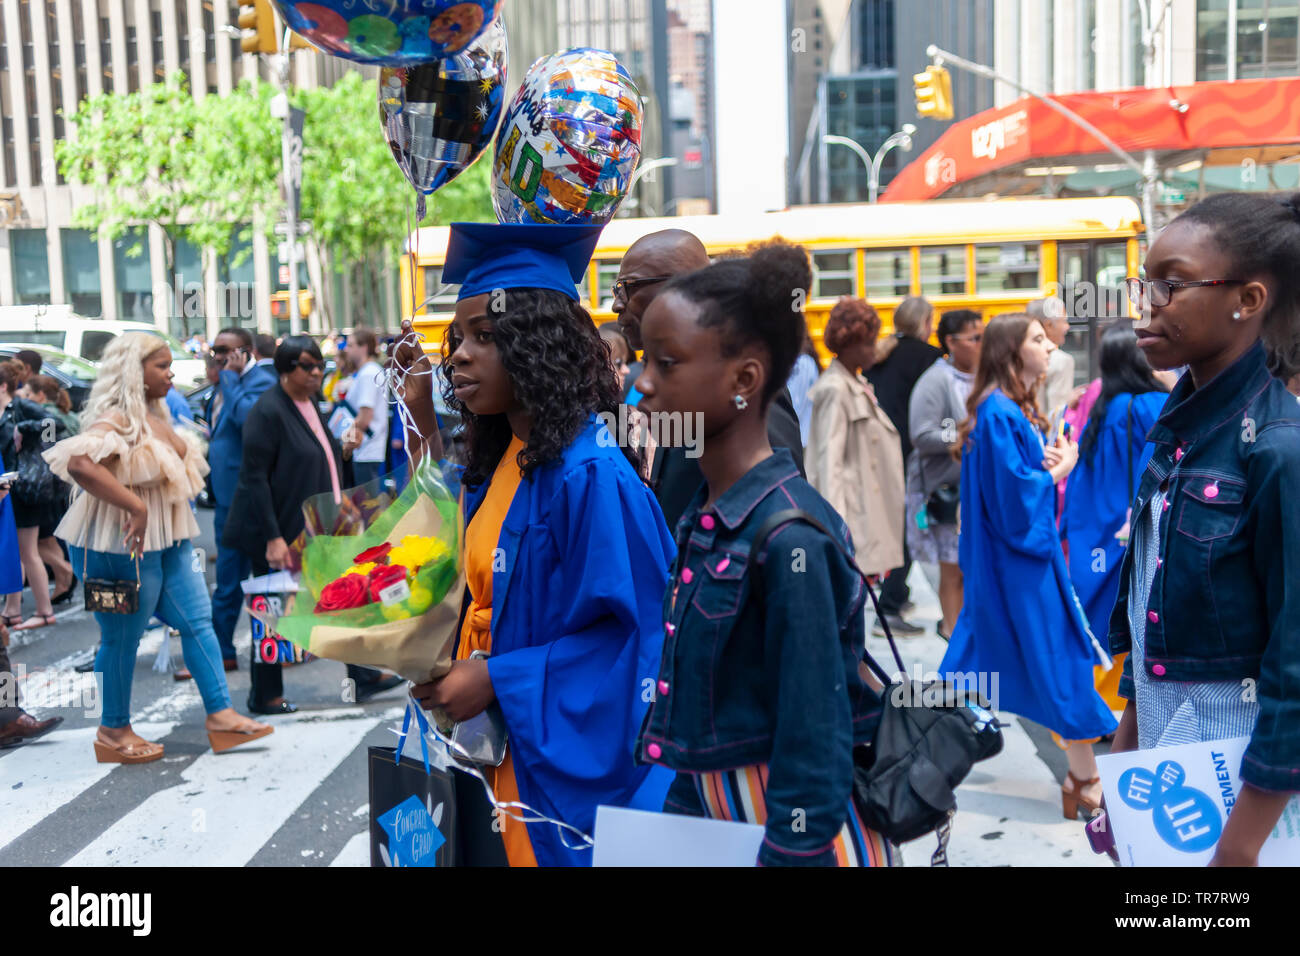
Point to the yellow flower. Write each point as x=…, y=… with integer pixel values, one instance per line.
x=415, y=551
x=362, y=569
x=394, y=612
x=419, y=600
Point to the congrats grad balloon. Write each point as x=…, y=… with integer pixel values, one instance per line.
x=570, y=141
x=438, y=117
x=390, y=32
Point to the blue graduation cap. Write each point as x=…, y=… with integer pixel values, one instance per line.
x=483, y=256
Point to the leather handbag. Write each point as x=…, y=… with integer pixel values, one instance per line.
x=930, y=735
x=942, y=504
x=105, y=596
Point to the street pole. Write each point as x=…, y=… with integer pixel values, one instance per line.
x=1147, y=170
x=902, y=138
x=291, y=164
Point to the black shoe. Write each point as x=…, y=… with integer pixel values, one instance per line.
x=897, y=626
x=371, y=688
x=64, y=596
x=88, y=665
x=284, y=707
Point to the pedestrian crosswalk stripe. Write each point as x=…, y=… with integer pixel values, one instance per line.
x=39, y=777
x=228, y=805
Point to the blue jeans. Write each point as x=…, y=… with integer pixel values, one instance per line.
x=173, y=589
x=228, y=599
x=363, y=471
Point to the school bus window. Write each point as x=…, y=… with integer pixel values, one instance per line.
x=889, y=272
x=438, y=299
x=606, y=273
x=833, y=274
x=943, y=270
x=1012, y=265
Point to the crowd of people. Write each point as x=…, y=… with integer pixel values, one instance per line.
x=684, y=629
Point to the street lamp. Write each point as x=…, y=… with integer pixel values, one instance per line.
x=902, y=139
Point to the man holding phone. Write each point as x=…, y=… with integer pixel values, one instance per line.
x=243, y=381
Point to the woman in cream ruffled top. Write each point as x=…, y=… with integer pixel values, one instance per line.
x=130, y=520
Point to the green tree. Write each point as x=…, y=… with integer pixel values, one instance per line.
x=208, y=172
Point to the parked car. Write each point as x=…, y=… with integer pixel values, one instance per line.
x=74, y=374
x=57, y=326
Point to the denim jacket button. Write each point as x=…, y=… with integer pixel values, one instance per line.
x=722, y=565
x=654, y=751
x=1178, y=454
x=663, y=688
x=687, y=575
x=670, y=629
x=1158, y=670
x=1160, y=562
x=1153, y=617
x=706, y=522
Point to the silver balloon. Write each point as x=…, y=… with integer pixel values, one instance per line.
x=439, y=117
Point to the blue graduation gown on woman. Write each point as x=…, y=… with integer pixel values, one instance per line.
x=1097, y=502
x=577, y=636
x=1020, y=619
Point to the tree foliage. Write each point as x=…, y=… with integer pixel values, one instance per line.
x=207, y=170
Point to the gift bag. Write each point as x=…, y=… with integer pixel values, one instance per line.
x=412, y=813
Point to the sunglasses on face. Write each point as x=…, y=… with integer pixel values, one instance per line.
x=308, y=366
x=626, y=288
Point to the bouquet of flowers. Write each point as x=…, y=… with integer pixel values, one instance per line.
x=380, y=579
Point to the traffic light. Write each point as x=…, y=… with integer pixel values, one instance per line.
x=934, y=93
x=257, y=26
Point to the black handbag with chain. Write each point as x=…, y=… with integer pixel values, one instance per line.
x=929, y=736
x=107, y=596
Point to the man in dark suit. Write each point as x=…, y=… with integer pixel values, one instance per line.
x=649, y=263
x=243, y=381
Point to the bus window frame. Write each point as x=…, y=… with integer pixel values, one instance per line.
x=949, y=278
x=850, y=272
x=1037, y=245
x=900, y=253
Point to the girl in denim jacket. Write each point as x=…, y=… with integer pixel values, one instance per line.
x=759, y=701
x=1208, y=605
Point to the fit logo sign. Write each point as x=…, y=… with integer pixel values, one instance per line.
x=1185, y=818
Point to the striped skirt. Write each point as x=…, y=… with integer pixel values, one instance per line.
x=740, y=795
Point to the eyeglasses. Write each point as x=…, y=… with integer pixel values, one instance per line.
x=310, y=367
x=626, y=288
x=973, y=338
x=1159, y=292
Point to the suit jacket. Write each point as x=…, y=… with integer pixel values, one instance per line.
x=225, y=451
x=855, y=462
x=675, y=478
x=283, y=465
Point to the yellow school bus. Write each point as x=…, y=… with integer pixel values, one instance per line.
x=988, y=255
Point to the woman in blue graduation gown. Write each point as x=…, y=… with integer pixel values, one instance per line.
x=566, y=550
x=1112, y=456
x=1020, y=619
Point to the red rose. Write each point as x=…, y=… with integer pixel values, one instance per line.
x=349, y=591
x=378, y=554
x=385, y=576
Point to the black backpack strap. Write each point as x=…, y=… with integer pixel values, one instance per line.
x=769, y=527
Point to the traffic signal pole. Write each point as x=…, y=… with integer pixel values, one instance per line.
x=1147, y=170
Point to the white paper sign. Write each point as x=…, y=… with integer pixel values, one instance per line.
x=1168, y=806
x=640, y=838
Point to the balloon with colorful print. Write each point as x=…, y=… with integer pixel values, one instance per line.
x=438, y=117
x=390, y=32
x=569, y=142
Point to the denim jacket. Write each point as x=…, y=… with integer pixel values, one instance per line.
x=1225, y=604
x=771, y=678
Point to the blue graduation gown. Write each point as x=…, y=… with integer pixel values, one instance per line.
x=577, y=636
x=1097, y=502
x=1020, y=618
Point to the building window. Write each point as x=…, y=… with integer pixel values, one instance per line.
x=183, y=36
x=7, y=134
x=943, y=270
x=134, y=278
x=1010, y=266
x=864, y=109
x=187, y=308
x=875, y=23
x=1212, y=39
x=237, y=274
x=31, y=266
x=106, y=53
x=81, y=272
x=156, y=45
x=834, y=274
x=210, y=45
x=889, y=272
x=78, y=54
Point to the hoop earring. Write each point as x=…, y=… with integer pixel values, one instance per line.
x=741, y=403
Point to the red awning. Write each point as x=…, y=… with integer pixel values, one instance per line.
x=1219, y=115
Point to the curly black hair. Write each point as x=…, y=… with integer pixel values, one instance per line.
x=757, y=299
x=560, y=370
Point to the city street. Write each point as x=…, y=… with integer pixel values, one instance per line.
x=300, y=798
